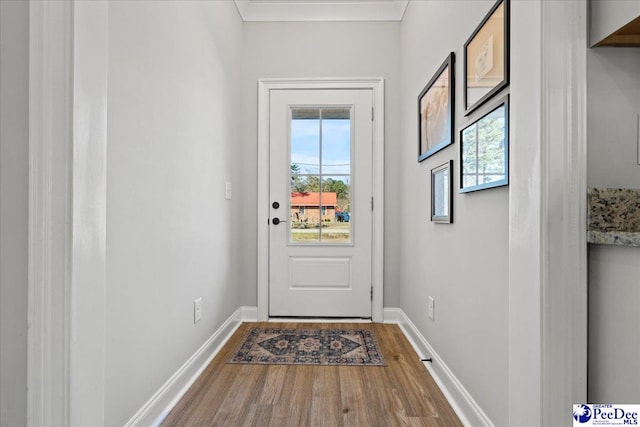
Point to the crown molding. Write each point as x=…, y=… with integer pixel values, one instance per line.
x=321, y=10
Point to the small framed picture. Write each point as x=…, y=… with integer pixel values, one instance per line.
x=484, y=150
x=442, y=193
x=486, y=58
x=435, y=111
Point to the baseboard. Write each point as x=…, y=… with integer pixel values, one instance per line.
x=461, y=401
x=158, y=407
x=248, y=314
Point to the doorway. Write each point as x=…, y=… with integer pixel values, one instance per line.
x=320, y=199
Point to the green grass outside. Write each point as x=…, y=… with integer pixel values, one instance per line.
x=327, y=236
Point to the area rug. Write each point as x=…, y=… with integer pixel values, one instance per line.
x=335, y=347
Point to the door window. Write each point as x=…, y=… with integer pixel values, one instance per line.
x=321, y=143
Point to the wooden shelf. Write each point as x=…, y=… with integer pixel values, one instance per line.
x=627, y=36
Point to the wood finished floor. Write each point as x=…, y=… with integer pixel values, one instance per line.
x=400, y=394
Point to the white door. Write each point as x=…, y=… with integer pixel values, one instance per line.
x=320, y=189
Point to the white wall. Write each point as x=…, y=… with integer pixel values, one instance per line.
x=613, y=105
x=317, y=49
x=614, y=308
x=173, y=121
x=613, y=85
x=14, y=169
x=464, y=266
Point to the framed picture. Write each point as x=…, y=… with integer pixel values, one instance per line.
x=435, y=111
x=442, y=193
x=484, y=150
x=486, y=58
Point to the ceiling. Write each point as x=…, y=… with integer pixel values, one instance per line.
x=321, y=10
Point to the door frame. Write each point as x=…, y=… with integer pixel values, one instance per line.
x=68, y=61
x=265, y=86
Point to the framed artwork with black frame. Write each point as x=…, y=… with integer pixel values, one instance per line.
x=442, y=193
x=435, y=111
x=486, y=58
x=484, y=150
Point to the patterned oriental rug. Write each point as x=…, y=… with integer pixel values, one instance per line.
x=331, y=347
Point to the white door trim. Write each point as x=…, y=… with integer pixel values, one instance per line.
x=264, y=88
x=49, y=283
x=67, y=212
x=547, y=204
x=564, y=208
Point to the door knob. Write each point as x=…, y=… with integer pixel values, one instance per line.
x=276, y=221
x=275, y=205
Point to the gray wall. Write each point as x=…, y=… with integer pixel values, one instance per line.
x=614, y=310
x=613, y=91
x=613, y=96
x=320, y=49
x=173, y=121
x=14, y=169
x=464, y=266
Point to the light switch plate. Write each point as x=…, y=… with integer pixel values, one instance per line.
x=431, y=308
x=227, y=190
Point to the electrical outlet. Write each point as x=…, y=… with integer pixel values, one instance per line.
x=197, y=310
x=431, y=307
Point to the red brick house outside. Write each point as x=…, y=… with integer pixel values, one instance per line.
x=306, y=207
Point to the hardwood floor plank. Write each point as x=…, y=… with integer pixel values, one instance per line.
x=274, y=384
x=408, y=370
x=258, y=414
x=399, y=394
x=355, y=410
x=297, y=398
x=326, y=396
x=243, y=391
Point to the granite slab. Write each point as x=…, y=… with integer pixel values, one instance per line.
x=614, y=216
x=620, y=238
